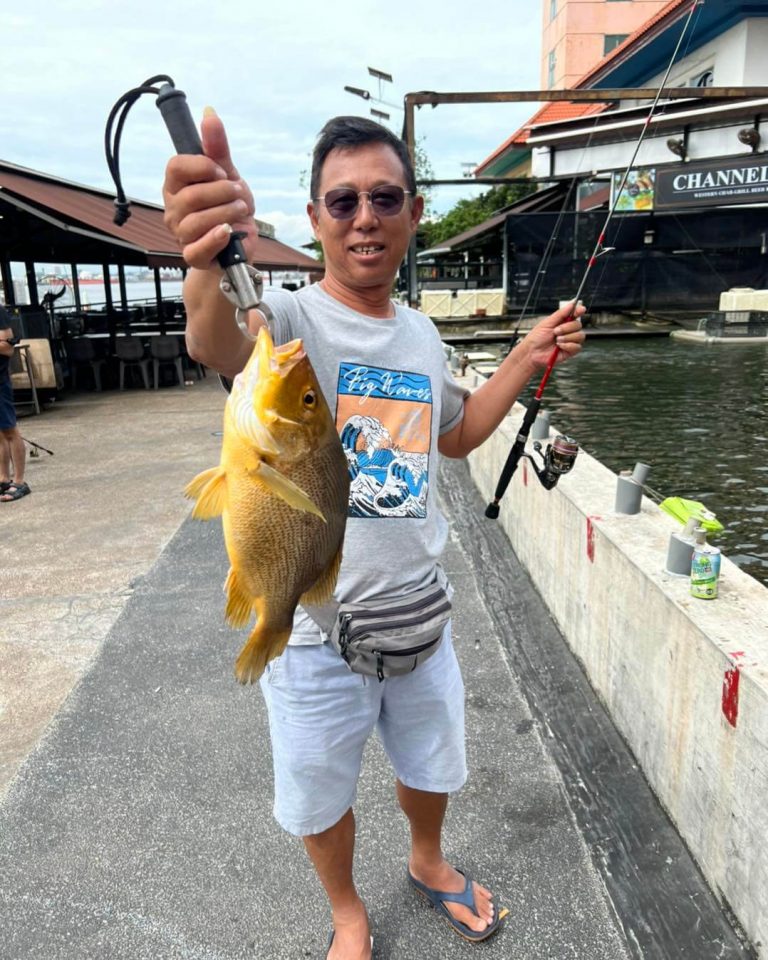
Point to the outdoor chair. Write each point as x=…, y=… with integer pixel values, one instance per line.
x=131, y=354
x=80, y=351
x=166, y=350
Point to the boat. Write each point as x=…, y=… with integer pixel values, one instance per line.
x=728, y=326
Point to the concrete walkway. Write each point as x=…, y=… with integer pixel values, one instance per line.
x=137, y=817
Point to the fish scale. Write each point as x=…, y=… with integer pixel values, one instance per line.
x=282, y=489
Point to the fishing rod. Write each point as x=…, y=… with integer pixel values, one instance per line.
x=36, y=448
x=559, y=457
x=241, y=284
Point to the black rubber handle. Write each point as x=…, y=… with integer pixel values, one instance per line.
x=172, y=104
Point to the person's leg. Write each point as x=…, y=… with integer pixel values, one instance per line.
x=5, y=457
x=331, y=853
x=422, y=728
x=320, y=717
x=425, y=812
x=18, y=455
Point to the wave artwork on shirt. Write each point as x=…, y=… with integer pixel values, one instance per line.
x=384, y=418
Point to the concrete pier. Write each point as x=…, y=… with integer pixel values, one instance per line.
x=136, y=818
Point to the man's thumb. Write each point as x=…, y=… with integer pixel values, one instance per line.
x=215, y=144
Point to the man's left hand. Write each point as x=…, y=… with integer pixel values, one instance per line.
x=562, y=329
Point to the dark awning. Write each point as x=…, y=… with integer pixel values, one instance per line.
x=46, y=219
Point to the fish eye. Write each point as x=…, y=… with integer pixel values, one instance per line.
x=309, y=398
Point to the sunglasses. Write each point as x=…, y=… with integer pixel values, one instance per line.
x=342, y=203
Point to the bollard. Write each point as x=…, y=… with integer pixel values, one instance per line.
x=629, y=489
x=640, y=473
x=540, y=428
x=628, y=495
x=679, y=555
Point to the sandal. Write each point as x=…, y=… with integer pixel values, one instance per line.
x=14, y=491
x=330, y=942
x=4, y=484
x=439, y=898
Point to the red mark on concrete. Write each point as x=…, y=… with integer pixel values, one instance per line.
x=525, y=474
x=731, y=695
x=591, y=538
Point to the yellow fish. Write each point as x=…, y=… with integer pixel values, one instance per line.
x=282, y=489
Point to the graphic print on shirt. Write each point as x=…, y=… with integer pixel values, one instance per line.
x=384, y=419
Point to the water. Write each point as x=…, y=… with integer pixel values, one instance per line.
x=94, y=295
x=697, y=414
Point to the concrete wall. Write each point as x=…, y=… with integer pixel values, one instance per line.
x=685, y=680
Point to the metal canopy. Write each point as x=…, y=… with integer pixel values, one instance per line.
x=45, y=219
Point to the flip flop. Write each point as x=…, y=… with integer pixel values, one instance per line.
x=14, y=491
x=439, y=898
x=330, y=941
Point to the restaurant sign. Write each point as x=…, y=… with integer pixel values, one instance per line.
x=737, y=180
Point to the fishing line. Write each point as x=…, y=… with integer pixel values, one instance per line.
x=553, y=237
x=561, y=454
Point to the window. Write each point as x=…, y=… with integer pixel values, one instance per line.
x=612, y=40
x=552, y=9
x=551, y=69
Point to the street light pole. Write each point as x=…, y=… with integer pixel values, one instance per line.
x=382, y=78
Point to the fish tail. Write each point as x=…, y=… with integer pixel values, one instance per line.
x=263, y=645
x=209, y=489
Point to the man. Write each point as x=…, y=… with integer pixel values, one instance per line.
x=364, y=209
x=11, y=444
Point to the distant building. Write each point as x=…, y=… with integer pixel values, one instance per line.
x=692, y=220
x=576, y=34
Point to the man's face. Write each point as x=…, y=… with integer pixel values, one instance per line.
x=367, y=250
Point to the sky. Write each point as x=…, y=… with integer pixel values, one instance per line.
x=274, y=73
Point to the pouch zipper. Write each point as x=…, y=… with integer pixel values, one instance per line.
x=347, y=636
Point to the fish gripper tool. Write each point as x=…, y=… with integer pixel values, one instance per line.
x=242, y=284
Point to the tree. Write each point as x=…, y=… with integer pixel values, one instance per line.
x=469, y=213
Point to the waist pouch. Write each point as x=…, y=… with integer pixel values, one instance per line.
x=389, y=638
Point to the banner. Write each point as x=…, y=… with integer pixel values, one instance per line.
x=732, y=180
x=638, y=192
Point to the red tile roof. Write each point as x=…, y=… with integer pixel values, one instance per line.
x=88, y=211
x=562, y=110
x=551, y=112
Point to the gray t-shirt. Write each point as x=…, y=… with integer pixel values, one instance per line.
x=391, y=393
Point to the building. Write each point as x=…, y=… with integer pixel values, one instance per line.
x=576, y=34
x=691, y=219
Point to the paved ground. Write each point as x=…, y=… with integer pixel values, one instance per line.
x=136, y=822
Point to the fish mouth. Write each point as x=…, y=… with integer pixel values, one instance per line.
x=278, y=360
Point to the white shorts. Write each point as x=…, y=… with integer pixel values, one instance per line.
x=321, y=715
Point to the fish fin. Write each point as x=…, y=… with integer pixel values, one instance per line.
x=239, y=605
x=278, y=484
x=209, y=489
x=262, y=646
x=321, y=590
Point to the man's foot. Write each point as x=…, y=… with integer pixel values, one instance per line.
x=351, y=935
x=478, y=919
x=15, y=491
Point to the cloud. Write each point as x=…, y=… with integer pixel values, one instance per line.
x=274, y=74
